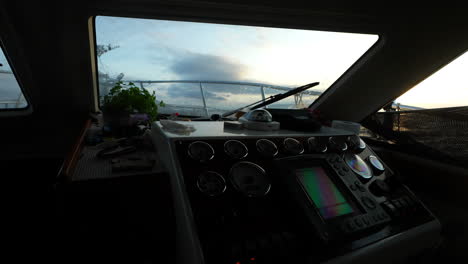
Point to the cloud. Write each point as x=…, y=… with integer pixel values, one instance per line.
x=177, y=91
x=199, y=66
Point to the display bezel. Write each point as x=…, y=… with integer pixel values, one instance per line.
x=334, y=178
x=323, y=192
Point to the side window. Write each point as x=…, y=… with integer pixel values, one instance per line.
x=448, y=87
x=11, y=96
x=431, y=119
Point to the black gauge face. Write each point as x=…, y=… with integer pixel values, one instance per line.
x=377, y=166
x=337, y=144
x=293, y=146
x=358, y=165
x=249, y=179
x=317, y=144
x=266, y=148
x=211, y=183
x=235, y=149
x=201, y=151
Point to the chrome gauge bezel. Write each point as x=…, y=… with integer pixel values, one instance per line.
x=297, y=142
x=218, y=175
x=203, y=143
x=315, y=142
x=233, y=141
x=238, y=188
x=262, y=152
x=335, y=144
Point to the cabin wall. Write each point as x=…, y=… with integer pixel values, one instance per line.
x=54, y=39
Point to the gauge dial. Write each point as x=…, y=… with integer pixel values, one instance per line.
x=249, y=179
x=376, y=165
x=201, y=151
x=317, y=144
x=235, y=149
x=293, y=146
x=356, y=144
x=266, y=148
x=211, y=183
x=358, y=165
x=337, y=144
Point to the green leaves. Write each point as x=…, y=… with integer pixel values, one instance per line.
x=130, y=98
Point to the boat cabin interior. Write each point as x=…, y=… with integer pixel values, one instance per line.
x=146, y=131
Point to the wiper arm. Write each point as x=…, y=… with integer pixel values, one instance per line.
x=273, y=98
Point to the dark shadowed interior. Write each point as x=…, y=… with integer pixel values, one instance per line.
x=62, y=209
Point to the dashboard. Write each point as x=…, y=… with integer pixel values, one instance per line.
x=244, y=196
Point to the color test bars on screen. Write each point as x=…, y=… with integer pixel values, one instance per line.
x=323, y=192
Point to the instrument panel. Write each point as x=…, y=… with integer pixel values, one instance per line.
x=262, y=198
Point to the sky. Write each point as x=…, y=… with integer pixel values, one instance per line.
x=445, y=88
x=173, y=50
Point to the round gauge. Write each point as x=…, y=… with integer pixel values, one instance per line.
x=376, y=165
x=201, y=151
x=358, y=165
x=356, y=143
x=266, y=148
x=316, y=144
x=337, y=144
x=293, y=146
x=235, y=149
x=249, y=179
x=211, y=183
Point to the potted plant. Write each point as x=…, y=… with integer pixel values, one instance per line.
x=125, y=100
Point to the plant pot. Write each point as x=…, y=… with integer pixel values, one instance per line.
x=116, y=120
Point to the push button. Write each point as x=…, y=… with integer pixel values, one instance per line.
x=359, y=186
x=391, y=208
x=397, y=204
x=369, y=203
x=403, y=203
x=376, y=218
x=408, y=200
x=365, y=220
x=383, y=216
x=358, y=222
x=350, y=226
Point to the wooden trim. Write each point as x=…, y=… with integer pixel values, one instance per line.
x=68, y=166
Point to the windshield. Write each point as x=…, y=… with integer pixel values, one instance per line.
x=199, y=69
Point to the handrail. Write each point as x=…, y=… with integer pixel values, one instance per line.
x=262, y=86
x=276, y=87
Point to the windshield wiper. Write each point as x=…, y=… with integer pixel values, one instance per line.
x=272, y=99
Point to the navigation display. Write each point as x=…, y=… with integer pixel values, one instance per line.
x=323, y=192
